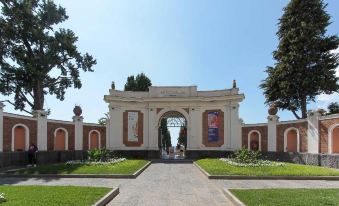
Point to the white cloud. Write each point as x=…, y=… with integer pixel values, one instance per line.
x=325, y=99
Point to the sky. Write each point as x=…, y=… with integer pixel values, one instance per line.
x=176, y=43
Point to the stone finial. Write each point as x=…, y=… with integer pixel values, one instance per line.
x=234, y=84
x=273, y=110
x=77, y=111
x=113, y=85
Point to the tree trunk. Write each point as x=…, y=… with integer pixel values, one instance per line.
x=303, y=107
x=38, y=96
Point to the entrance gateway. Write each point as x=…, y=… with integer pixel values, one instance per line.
x=210, y=120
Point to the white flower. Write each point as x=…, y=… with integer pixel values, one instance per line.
x=2, y=197
x=260, y=163
x=87, y=162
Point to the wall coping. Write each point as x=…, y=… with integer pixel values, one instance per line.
x=292, y=121
x=6, y=114
x=332, y=116
x=255, y=125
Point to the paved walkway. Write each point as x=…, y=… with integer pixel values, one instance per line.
x=172, y=184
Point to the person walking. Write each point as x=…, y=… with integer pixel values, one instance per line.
x=32, y=156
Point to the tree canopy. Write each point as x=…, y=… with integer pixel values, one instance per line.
x=140, y=83
x=36, y=58
x=305, y=62
x=333, y=108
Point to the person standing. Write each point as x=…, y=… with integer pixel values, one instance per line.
x=32, y=150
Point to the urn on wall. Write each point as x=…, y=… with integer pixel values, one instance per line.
x=273, y=110
x=77, y=111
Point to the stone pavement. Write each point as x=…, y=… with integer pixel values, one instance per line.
x=171, y=184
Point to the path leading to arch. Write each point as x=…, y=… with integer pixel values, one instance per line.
x=170, y=184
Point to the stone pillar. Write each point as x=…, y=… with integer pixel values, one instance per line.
x=41, y=116
x=107, y=133
x=235, y=142
x=272, y=133
x=78, y=132
x=1, y=125
x=313, y=131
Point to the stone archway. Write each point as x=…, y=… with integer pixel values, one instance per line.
x=168, y=119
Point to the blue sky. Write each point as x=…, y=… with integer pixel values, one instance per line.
x=191, y=42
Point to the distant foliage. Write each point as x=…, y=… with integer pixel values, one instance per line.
x=140, y=83
x=333, y=108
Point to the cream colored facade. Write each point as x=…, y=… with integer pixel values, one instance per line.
x=188, y=101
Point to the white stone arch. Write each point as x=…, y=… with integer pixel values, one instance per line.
x=249, y=139
x=66, y=137
x=330, y=138
x=285, y=138
x=180, y=110
x=26, y=135
x=89, y=138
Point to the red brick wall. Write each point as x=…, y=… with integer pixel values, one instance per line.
x=263, y=132
x=86, y=131
x=324, y=125
x=140, y=129
x=205, y=142
x=301, y=126
x=52, y=126
x=9, y=122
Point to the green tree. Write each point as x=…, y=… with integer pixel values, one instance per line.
x=305, y=64
x=333, y=108
x=140, y=83
x=103, y=120
x=36, y=58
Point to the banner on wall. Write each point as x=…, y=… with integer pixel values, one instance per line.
x=213, y=126
x=132, y=126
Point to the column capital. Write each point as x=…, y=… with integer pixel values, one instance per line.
x=40, y=113
x=2, y=105
x=273, y=118
x=78, y=118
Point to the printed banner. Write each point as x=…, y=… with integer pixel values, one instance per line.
x=213, y=126
x=132, y=126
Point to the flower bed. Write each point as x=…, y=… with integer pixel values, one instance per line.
x=89, y=162
x=258, y=163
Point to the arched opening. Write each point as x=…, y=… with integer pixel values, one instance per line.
x=335, y=140
x=60, y=139
x=291, y=140
x=19, y=138
x=172, y=135
x=94, y=140
x=254, y=140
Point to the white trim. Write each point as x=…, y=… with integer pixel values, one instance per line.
x=89, y=138
x=332, y=116
x=249, y=139
x=255, y=125
x=26, y=136
x=59, y=121
x=330, y=137
x=6, y=114
x=292, y=121
x=285, y=138
x=66, y=137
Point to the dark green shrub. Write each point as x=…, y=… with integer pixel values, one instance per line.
x=98, y=154
x=246, y=156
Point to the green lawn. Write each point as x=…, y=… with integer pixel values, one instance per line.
x=51, y=195
x=218, y=167
x=125, y=167
x=279, y=197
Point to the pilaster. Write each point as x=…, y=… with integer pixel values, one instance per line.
x=1, y=125
x=78, y=132
x=272, y=121
x=313, y=131
x=41, y=116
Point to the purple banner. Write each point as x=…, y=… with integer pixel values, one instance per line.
x=213, y=126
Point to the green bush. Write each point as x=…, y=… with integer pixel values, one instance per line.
x=246, y=156
x=98, y=154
